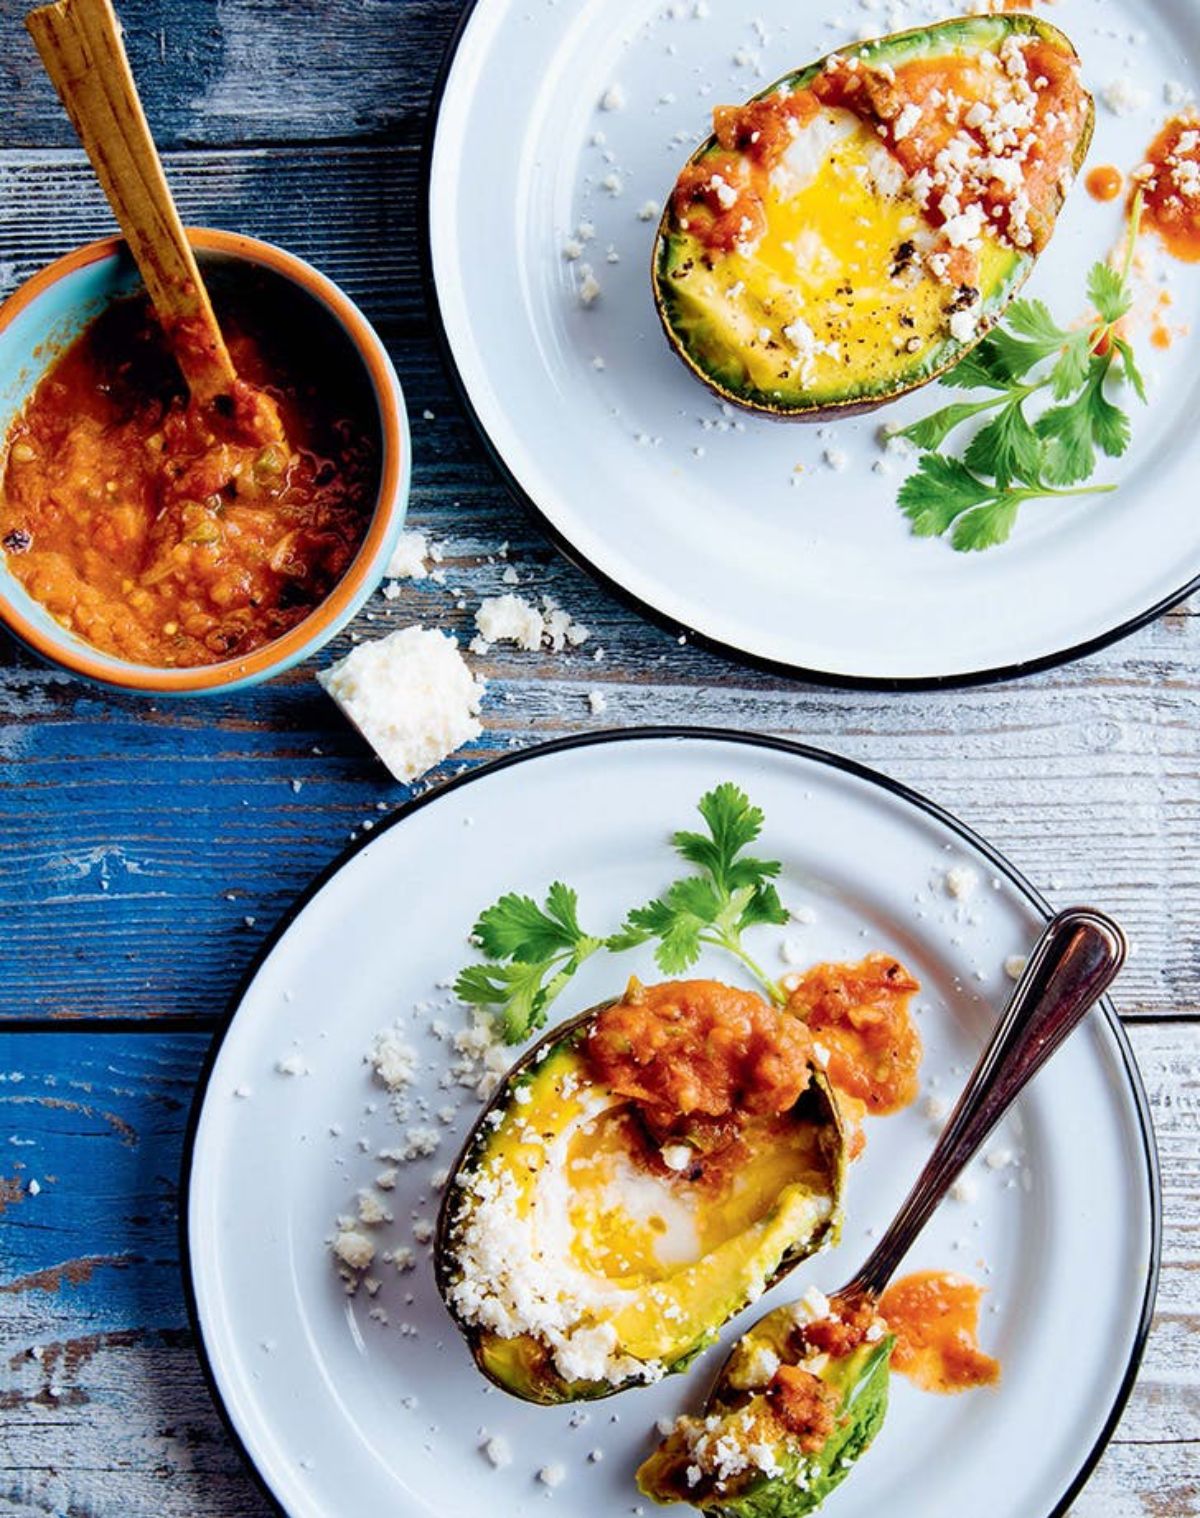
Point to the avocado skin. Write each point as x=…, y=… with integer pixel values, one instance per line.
x=671, y=247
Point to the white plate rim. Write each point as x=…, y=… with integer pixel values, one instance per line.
x=898, y=791
x=961, y=680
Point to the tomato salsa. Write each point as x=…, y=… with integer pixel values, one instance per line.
x=1169, y=181
x=174, y=534
x=935, y=1318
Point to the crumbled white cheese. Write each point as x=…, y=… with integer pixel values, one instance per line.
x=836, y=458
x=291, y=1064
x=754, y=1366
x=393, y=1058
x=964, y=324
x=961, y=881
x=964, y=1190
x=813, y=1305
x=649, y=210
x=1014, y=966
x=411, y=696
x=421, y=1142
x=598, y=702
x=613, y=99
x=408, y=557
x=1124, y=98
x=552, y=1475
x=589, y=285
x=906, y=123
x=676, y=1156
x=497, y=1450
x=354, y=1248
x=371, y=1210
x=511, y=619
x=34, y=1188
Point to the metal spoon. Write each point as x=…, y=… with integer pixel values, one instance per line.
x=1073, y=963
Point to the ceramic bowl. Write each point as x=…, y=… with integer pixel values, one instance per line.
x=49, y=311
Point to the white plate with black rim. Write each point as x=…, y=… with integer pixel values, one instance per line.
x=736, y=528
x=343, y=1413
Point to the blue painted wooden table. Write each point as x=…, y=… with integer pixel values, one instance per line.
x=145, y=849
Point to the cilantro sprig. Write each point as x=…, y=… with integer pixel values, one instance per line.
x=533, y=951
x=1014, y=458
x=733, y=892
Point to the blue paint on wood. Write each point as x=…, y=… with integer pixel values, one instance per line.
x=93, y=1124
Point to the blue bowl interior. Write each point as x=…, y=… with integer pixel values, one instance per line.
x=49, y=324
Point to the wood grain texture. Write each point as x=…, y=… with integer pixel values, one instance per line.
x=228, y=71
x=112, y=1415
x=127, y=823
x=1086, y=776
x=145, y=849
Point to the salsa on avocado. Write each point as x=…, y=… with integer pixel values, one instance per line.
x=176, y=535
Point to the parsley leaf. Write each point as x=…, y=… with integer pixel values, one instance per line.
x=1007, y=448
x=533, y=951
x=1129, y=368
x=1110, y=293
x=734, y=892
x=941, y=490
x=986, y=526
x=933, y=430
x=544, y=946
x=974, y=500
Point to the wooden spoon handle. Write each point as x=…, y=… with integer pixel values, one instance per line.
x=80, y=45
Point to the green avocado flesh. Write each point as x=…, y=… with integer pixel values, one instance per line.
x=574, y=1269
x=802, y=1481
x=848, y=293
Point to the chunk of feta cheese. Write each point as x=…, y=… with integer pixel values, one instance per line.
x=411, y=696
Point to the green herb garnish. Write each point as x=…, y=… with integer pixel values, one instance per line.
x=1013, y=459
x=532, y=952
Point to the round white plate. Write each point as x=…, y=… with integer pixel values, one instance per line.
x=344, y=1415
x=700, y=515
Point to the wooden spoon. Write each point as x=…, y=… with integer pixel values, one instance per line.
x=80, y=45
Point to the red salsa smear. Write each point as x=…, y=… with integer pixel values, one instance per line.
x=935, y=1318
x=176, y=534
x=861, y=1015
x=918, y=108
x=1169, y=180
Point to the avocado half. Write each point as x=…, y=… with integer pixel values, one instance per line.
x=801, y=1480
x=836, y=261
x=652, y=1266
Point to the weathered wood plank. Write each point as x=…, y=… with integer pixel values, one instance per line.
x=126, y=824
x=246, y=71
x=112, y=1415
x=352, y=211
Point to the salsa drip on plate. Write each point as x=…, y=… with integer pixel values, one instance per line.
x=173, y=534
x=1169, y=182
